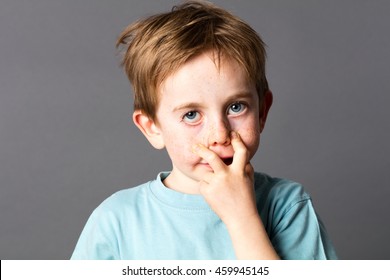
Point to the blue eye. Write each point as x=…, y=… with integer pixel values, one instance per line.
x=191, y=117
x=236, y=108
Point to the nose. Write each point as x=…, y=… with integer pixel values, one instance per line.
x=219, y=132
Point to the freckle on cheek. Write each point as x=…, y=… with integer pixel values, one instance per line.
x=251, y=137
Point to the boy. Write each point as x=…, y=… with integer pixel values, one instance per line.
x=198, y=74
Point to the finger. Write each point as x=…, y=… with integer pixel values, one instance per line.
x=249, y=170
x=209, y=156
x=241, y=154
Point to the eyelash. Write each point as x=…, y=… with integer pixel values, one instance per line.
x=186, y=115
x=243, y=107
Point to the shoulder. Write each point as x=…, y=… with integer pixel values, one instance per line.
x=123, y=200
x=281, y=199
x=281, y=193
x=294, y=228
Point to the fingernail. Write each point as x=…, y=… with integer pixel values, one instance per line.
x=195, y=148
x=235, y=135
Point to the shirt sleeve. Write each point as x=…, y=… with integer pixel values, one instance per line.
x=96, y=241
x=299, y=234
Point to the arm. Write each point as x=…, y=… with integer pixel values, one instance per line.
x=94, y=242
x=250, y=240
x=229, y=191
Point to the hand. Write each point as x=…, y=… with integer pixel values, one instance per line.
x=229, y=189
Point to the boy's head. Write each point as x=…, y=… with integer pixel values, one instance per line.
x=198, y=74
x=158, y=46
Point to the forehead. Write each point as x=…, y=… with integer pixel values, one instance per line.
x=206, y=73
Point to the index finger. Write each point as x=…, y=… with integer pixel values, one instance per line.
x=210, y=157
x=241, y=154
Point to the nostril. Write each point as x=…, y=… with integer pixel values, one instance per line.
x=221, y=138
x=225, y=142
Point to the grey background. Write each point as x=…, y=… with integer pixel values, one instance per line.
x=67, y=140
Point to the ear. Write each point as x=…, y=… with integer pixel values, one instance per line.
x=149, y=128
x=264, y=108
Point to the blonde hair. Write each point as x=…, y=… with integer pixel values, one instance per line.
x=157, y=46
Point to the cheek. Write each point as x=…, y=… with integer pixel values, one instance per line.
x=251, y=138
x=250, y=135
x=179, y=147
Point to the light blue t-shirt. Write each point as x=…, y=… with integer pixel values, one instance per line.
x=154, y=222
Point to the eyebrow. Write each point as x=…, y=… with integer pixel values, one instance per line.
x=190, y=105
x=196, y=105
x=241, y=95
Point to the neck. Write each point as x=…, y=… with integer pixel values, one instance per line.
x=181, y=183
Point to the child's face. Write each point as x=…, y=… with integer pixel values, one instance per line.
x=202, y=104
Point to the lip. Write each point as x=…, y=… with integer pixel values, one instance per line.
x=226, y=161
x=205, y=165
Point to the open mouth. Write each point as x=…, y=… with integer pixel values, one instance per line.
x=227, y=161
